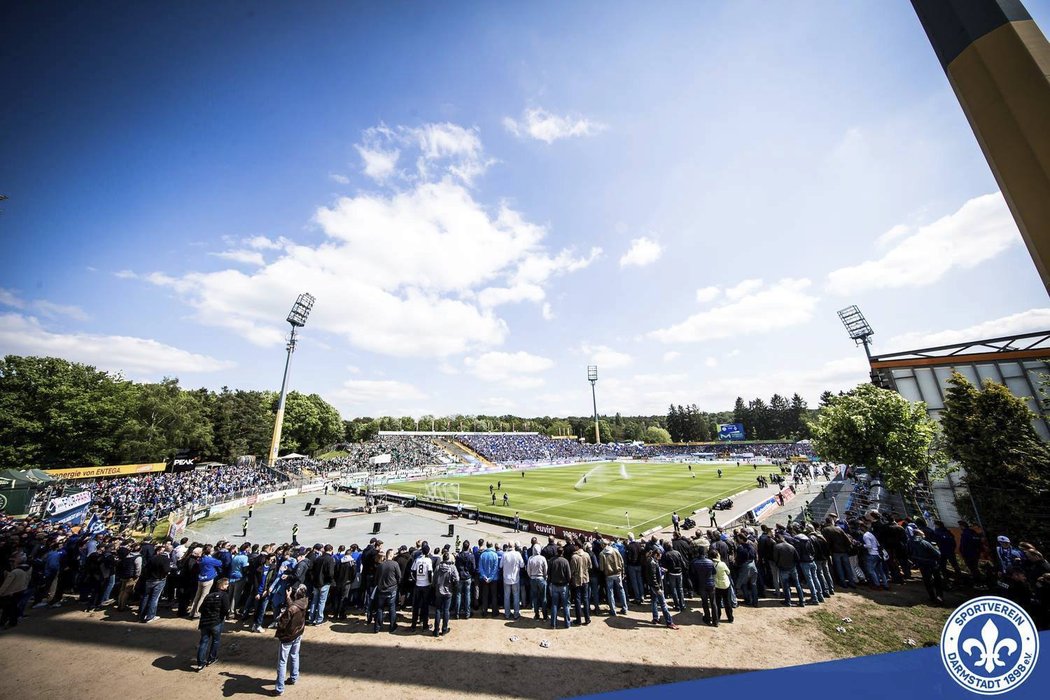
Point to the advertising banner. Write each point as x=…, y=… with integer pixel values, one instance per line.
x=95, y=472
x=62, y=504
x=731, y=431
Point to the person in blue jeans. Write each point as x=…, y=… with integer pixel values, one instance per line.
x=155, y=572
x=290, y=629
x=655, y=578
x=467, y=568
x=212, y=611
x=558, y=578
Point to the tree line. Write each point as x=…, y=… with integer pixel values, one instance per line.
x=55, y=413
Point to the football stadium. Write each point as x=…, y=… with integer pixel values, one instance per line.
x=578, y=397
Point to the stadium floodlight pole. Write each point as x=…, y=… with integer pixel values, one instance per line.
x=857, y=326
x=592, y=377
x=297, y=318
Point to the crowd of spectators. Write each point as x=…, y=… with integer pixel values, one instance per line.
x=413, y=587
x=141, y=501
x=507, y=448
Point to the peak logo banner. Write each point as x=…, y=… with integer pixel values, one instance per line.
x=989, y=645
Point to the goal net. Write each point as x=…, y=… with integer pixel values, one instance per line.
x=442, y=491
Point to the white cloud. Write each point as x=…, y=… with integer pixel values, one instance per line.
x=442, y=150
x=604, y=356
x=547, y=312
x=425, y=267
x=1023, y=322
x=353, y=369
x=706, y=294
x=643, y=251
x=509, y=368
x=544, y=126
x=733, y=353
x=51, y=309
x=781, y=305
x=379, y=165
x=981, y=229
x=264, y=243
x=341, y=179
x=671, y=355
x=372, y=392
x=125, y=274
x=9, y=298
x=247, y=257
x=141, y=357
x=711, y=362
x=742, y=289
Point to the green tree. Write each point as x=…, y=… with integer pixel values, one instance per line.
x=310, y=423
x=989, y=433
x=603, y=426
x=879, y=429
x=656, y=435
x=242, y=423
x=163, y=418
x=56, y=413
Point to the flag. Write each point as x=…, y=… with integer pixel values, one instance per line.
x=95, y=525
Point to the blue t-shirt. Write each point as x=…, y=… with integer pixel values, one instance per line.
x=209, y=568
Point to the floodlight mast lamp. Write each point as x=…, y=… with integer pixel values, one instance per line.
x=858, y=328
x=297, y=319
x=592, y=377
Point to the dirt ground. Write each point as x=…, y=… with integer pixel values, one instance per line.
x=108, y=654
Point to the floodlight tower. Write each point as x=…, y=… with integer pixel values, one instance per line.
x=860, y=332
x=297, y=319
x=592, y=377
x=858, y=328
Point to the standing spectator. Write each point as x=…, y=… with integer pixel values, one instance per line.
x=874, y=568
x=674, y=565
x=512, y=565
x=841, y=547
x=156, y=572
x=970, y=548
x=423, y=576
x=388, y=576
x=635, y=559
x=290, y=629
x=702, y=570
x=467, y=569
x=559, y=575
x=446, y=580
x=722, y=584
x=747, y=572
x=612, y=568
x=945, y=541
x=322, y=574
x=927, y=557
x=213, y=610
x=488, y=571
x=129, y=567
x=676, y=523
x=786, y=559
x=12, y=590
x=807, y=565
x=536, y=568
x=580, y=566
x=208, y=570
x=821, y=555
x=655, y=581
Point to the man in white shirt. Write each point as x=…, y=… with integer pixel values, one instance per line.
x=512, y=566
x=874, y=566
x=422, y=571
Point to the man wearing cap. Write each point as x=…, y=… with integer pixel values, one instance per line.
x=927, y=557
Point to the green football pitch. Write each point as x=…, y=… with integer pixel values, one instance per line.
x=595, y=495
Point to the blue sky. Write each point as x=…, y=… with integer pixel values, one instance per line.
x=486, y=198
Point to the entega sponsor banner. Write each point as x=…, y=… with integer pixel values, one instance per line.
x=95, y=472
